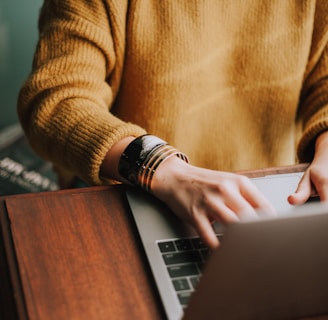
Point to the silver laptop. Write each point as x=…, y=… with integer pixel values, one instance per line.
x=188, y=276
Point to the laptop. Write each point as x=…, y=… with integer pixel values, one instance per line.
x=271, y=268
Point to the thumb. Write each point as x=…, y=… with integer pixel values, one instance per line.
x=303, y=191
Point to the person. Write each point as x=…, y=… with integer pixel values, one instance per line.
x=176, y=96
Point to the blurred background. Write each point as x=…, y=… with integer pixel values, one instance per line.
x=21, y=170
x=18, y=37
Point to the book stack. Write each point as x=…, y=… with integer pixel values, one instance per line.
x=21, y=170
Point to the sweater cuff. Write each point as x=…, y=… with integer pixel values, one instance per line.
x=314, y=127
x=91, y=142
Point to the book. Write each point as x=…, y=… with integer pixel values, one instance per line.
x=21, y=169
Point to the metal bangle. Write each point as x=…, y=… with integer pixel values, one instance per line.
x=136, y=154
x=142, y=157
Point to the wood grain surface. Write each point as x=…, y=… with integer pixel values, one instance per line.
x=78, y=257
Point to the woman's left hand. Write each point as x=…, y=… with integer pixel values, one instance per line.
x=315, y=178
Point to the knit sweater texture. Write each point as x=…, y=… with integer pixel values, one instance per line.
x=235, y=85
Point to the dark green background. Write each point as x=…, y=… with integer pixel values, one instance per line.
x=18, y=37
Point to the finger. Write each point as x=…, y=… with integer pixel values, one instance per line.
x=230, y=207
x=303, y=191
x=218, y=210
x=240, y=207
x=206, y=232
x=242, y=198
x=322, y=191
x=256, y=199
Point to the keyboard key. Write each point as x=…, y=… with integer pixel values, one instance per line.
x=181, y=284
x=205, y=253
x=182, y=257
x=166, y=246
x=183, y=270
x=198, y=243
x=201, y=266
x=183, y=244
x=184, y=297
x=194, y=281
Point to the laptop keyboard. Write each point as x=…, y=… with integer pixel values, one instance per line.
x=184, y=259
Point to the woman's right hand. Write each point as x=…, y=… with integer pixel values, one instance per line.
x=201, y=196
x=198, y=196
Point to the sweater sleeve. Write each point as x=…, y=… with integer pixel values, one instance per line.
x=64, y=104
x=313, y=109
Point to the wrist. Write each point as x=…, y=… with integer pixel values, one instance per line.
x=109, y=166
x=170, y=173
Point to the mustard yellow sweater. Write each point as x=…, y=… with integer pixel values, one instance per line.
x=234, y=84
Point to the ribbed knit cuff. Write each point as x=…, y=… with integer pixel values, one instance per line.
x=93, y=139
x=315, y=126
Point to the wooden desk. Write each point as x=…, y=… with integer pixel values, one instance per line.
x=75, y=254
x=77, y=257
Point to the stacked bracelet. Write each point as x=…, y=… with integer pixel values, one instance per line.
x=142, y=157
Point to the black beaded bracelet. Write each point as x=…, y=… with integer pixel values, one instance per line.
x=142, y=157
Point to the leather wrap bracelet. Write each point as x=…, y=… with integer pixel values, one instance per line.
x=142, y=157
